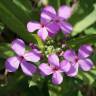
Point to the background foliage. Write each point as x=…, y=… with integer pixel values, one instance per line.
x=14, y=15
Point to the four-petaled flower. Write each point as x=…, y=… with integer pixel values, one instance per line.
x=12, y=63
x=44, y=28
x=55, y=68
x=81, y=59
x=59, y=19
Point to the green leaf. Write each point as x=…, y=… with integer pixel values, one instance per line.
x=79, y=93
x=55, y=3
x=82, y=40
x=13, y=22
x=85, y=23
x=5, y=51
x=32, y=83
x=17, y=20
x=19, y=12
x=68, y=1
x=90, y=31
x=88, y=78
x=24, y=5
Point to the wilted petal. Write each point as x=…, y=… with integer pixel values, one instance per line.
x=28, y=68
x=18, y=46
x=85, y=64
x=70, y=55
x=45, y=69
x=47, y=14
x=43, y=33
x=73, y=70
x=57, y=78
x=53, y=60
x=65, y=27
x=12, y=64
x=65, y=12
x=65, y=66
x=32, y=56
x=33, y=26
x=85, y=51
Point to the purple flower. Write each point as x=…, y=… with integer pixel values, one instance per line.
x=59, y=19
x=81, y=59
x=12, y=63
x=44, y=28
x=55, y=68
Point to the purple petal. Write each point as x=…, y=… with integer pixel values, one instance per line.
x=28, y=68
x=65, y=12
x=65, y=66
x=70, y=55
x=85, y=51
x=18, y=46
x=47, y=14
x=45, y=69
x=53, y=28
x=33, y=26
x=73, y=70
x=85, y=64
x=38, y=52
x=12, y=64
x=53, y=60
x=65, y=27
x=43, y=33
x=57, y=78
x=32, y=56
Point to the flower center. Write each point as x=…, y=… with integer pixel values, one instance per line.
x=42, y=25
x=21, y=58
x=55, y=69
x=76, y=59
x=57, y=20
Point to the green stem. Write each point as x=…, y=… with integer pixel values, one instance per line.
x=45, y=88
x=58, y=3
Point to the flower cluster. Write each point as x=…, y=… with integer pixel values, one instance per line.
x=51, y=22
x=68, y=63
x=23, y=58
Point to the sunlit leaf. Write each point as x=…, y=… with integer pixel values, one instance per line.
x=79, y=93
x=5, y=50
x=90, y=31
x=85, y=23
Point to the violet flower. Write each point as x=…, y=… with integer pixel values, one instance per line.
x=44, y=28
x=59, y=19
x=55, y=68
x=80, y=60
x=12, y=63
